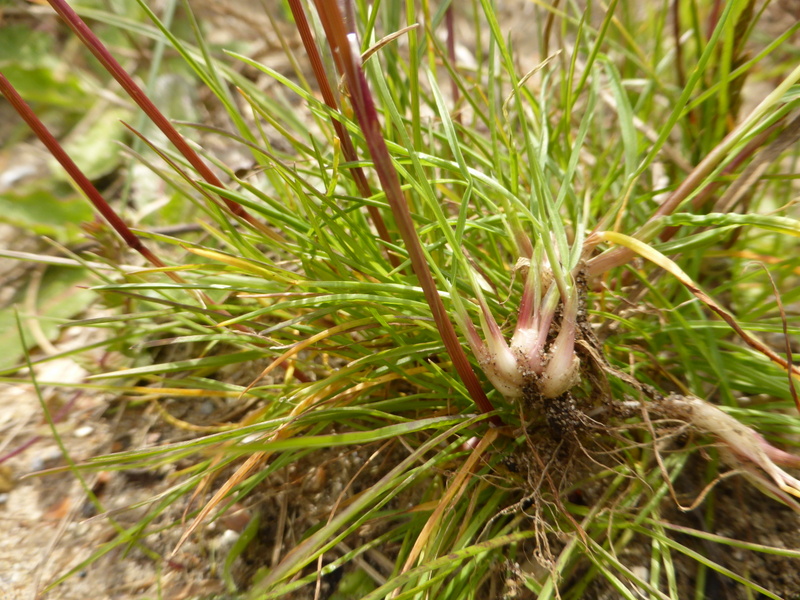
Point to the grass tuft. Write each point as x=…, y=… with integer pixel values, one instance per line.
x=291, y=343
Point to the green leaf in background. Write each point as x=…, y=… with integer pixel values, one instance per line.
x=355, y=584
x=59, y=299
x=95, y=150
x=26, y=58
x=25, y=47
x=42, y=85
x=45, y=212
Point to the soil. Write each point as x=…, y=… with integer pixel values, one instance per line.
x=50, y=528
x=744, y=513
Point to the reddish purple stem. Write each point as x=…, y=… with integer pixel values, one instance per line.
x=364, y=109
x=136, y=93
x=57, y=418
x=72, y=169
x=348, y=149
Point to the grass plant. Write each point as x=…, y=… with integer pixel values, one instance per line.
x=488, y=303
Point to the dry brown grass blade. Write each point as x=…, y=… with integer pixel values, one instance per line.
x=353, y=326
x=453, y=493
x=386, y=40
x=258, y=459
x=251, y=464
x=787, y=343
x=348, y=149
x=665, y=263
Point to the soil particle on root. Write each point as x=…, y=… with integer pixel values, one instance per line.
x=741, y=512
x=566, y=447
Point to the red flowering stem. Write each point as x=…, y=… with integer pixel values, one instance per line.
x=367, y=116
x=75, y=173
x=136, y=93
x=348, y=149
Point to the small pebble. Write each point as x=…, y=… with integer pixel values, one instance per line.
x=85, y=431
x=206, y=408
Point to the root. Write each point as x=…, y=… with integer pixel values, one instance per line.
x=742, y=447
x=745, y=447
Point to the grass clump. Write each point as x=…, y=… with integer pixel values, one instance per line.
x=575, y=228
